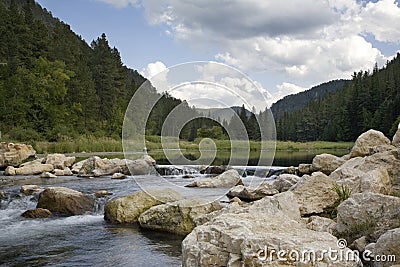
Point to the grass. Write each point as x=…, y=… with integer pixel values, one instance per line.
x=105, y=144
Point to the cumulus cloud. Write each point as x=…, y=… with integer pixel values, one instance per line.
x=307, y=41
x=157, y=74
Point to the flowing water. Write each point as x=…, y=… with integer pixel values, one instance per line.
x=88, y=240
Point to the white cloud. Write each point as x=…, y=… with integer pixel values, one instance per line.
x=157, y=74
x=285, y=89
x=121, y=3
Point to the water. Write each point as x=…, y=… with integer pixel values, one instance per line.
x=88, y=240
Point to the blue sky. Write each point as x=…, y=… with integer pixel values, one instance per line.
x=284, y=48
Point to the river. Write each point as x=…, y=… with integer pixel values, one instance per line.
x=88, y=240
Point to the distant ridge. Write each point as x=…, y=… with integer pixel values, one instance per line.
x=295, y=102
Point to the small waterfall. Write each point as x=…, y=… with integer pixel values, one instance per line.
x=174, y=170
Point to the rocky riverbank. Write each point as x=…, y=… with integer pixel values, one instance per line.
x=348, y=206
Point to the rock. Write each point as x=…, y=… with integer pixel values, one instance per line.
x=388, y=244
x=321, y=224
x=285, y=181
x=10, y=171
x=34, y=169
x=241, y=237
x=102, y=193
x=15, y=154
x=236, y=200
x=66, y=172
x=304, y=169
x=366, y=141
x=29, y=189
x=96, y=167
x=128, y=209
x=177, y=217
x=139, y=167
x=367, y=214
x=396, y=138
x=118, y=176
x=360, y=169
x=60, y=161
x=2, y=195
x=227, y=179
x=359, y=244
x=33, y=162
x=326, y=163
x=213, y=169
x=149, y=160
x=251, y=193
x=47, y=175
x=314, y=193
x=38, y=213
x=65, y=201
x=77, y=166
x=381, y=149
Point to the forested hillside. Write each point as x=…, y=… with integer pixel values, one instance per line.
x=298, y=101
x=370, y=100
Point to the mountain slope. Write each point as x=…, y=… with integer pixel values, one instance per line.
x=298, y=101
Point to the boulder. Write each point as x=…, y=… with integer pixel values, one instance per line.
x=77, y=166
x=227, y=179
x=285, y=181
x=65, y=201
x=251, y=193
x=141, y=166
x=366, y=141
x=38, y=213
x=359, y=244
x=177, y=217
x=304, y=169
x=10, y=171
x=396, y=138
x=149, y=160
x=321, y=224
x=95, y=167
x=367, y=214
x=118, y=176
x=314, y=193
x=213, y=169
x=15, y=154
x=47, y=175
x=32, y=169
x=65, y=172
x=60, y=161
x=29, y=189
x=326, y=163
x=245, y=236
x=388, y=244
x=128, y=209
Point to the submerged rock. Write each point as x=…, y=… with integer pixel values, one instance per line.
x=227, y=179
x=38, y=213
x=118, y=176
x=47, y=175
x=177, y=217
x=29, y=189
x=128, y=209
x=65, y=201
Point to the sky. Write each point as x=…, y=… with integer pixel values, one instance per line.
x=284, y=48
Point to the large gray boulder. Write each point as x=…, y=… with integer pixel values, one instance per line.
x=366, y=141
x=285, y=181
x=95, y=167
x=245, y=236
x=388, y=244
x=314, y=193
x=326, y=163
x=177, y=217
x=367, y=214
x=254, y=192
x=65, y=201
x=126, y=210
x=227, y=179
x=15, y=154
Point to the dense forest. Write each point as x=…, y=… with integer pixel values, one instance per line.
x=298, y=101
x=370, y=100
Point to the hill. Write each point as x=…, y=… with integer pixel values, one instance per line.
x=295, y=102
